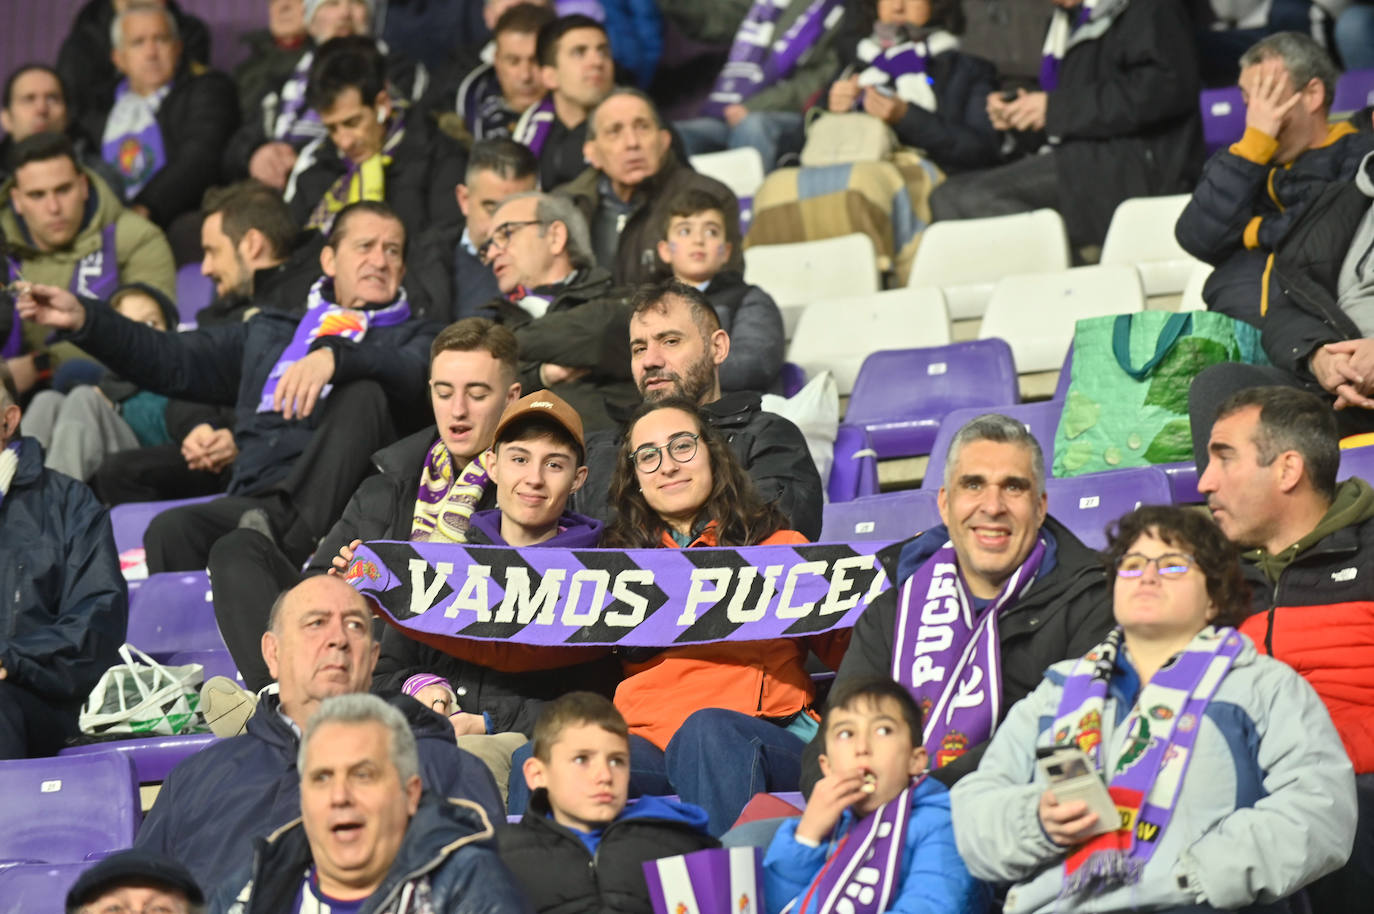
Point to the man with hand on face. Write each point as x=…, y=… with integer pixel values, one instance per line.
x=448, y=280
x=216, y=804
x=300, y=454
x=1029, y=592
x=369, y=838
x=627, y=193
x=374, y=150
x=168, y=122
x=565, y=312
x=1251, y=193
x=65, y=227
x=576, y=68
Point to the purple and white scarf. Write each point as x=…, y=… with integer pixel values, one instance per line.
x=132, y=141
x=482, y=106
x=863, y=874
x=1088, y=21
x=535, y=124
x=903, y=64
x=1153, y=748
x=444, y=505
x=950, y=661
x=295, y=122
x=757, y=60
x=324, y=318
x=95, y=276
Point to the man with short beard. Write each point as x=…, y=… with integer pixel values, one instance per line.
x=676, y=347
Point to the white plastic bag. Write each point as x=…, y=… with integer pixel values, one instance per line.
x=815, y=409
x=141, y=697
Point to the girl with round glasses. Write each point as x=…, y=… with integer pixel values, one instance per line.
x=1230, y=785
x=714, y=723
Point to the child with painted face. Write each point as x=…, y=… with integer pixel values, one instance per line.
x=873, y=809
x=695, y=248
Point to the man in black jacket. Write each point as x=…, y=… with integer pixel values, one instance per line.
x=66, y=604
x=297, y=464
x=1009, y=569
x=1118, y=109
x=168, y=121
x=1253, y=191
x=676, y=348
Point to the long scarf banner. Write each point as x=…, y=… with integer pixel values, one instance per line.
x=630, y=597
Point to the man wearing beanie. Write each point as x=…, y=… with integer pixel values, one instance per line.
x=135, y=880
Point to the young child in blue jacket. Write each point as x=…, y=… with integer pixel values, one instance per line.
x=876, y=830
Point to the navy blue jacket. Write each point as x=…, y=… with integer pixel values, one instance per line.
x=63, y=602
x=446, y=864
x=228, y=365
x=215, y=804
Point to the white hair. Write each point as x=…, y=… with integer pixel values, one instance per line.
x=141, y=6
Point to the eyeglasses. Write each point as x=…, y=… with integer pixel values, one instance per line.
x=501, y=235
x=1169, y=565
x=682, y=447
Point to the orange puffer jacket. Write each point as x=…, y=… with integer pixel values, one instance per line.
x=758, y=678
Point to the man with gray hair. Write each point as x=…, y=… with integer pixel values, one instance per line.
x=632, y=182
x=368, y=837
x=1252, y=192
x=571, y=323
x=984, y=602
x=167, y=124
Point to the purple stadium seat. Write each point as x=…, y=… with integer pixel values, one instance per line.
x=1357, y=461
x=1183, y=481
x=37, y=888
x=1223, y=116
x=792, y=378
x=855, y=470
x=129, y=521
x=1354, y=90
x=1041, y=418
x=1087, y=504
x=215, y=662
x=891, y=516
x=901, y=395
x=153, y=757
x=171, y=612
x=194, y=292
x=67, y=809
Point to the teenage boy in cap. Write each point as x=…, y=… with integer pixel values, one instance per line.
x=135, y=880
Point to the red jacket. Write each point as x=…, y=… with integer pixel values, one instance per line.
x=758, y=678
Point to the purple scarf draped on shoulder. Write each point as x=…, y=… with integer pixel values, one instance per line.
x=95, y=276
x=533, y=129
x=133, y=141
x=1067, y=28
x=757, y=60
x=950, y=660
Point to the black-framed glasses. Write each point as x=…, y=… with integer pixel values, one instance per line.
x=1169, y=565
x=682, y=447
x=501, y=235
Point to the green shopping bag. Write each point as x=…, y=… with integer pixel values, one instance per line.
x=1127, y=404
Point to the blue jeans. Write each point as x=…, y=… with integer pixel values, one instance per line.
x=770, y=132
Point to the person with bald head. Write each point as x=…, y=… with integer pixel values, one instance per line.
x=319, y=643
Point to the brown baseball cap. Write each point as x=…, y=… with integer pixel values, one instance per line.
x=544, y=403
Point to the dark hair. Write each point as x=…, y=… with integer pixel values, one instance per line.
x=654, y=297
x=248, y=205
x=692, y=201
x=345, y=215
x=741, y=515
x=944, y=14
x=32, y=68
x=850, y=692
x=546, y=45
x=350, y=62
x=504, y=157
x=41, y=147
x=528, y=428
x=1291, y=419
x=570, y=710
x=1185, y=528
x=524, y=18
x=473, y=333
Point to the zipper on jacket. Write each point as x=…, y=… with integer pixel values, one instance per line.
x=763, y=681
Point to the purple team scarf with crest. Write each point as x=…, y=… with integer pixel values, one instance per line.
x=324, y=318
x=757, y=60
x=533, y=129
x=95, y=276
x=296, y=123
x=1067, y=29
x=1156, y=745
x=133, y=142
x=864, y=872
x=950, y=661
